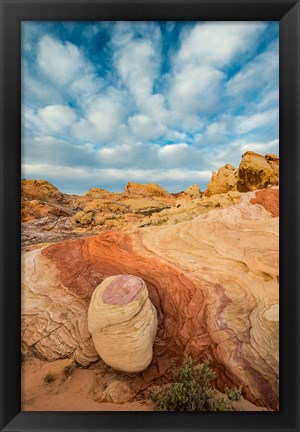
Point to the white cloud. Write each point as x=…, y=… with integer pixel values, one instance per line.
x=218, y=131
x=58, y=152
x=175, y=135
x=137, y=63
x=109, y=176
x=30, y=120
x=144, y=127
x=86, y=84
x=57, y=117
x=154, y=106
x=257, y=74
x=263, y=148
x=195, y=89
x=123, y=154
x=269, y=99
x=60, y=62
x=195, y=83
x=40, y=91
x=139, y=119
x=245, y=124
x=176, y=154
x=172, y=149
x=215, y=44
x=103, y=116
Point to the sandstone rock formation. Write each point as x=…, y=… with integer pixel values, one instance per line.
x=145, y=206
x=213, y=281
x=273, y=161
x=257, y=172
x=54, y=322
x=146, y=190
x=97, y=192
x=36, y=209
x=222, y=181
x=98, y=211
x=123, y=323
x=40, y=199
x=192, y=192
x=47, y=229
x=41, y=190
x=124, y=214
x=187, y=209
x=49, y=215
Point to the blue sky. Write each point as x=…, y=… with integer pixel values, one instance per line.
x=104, y=103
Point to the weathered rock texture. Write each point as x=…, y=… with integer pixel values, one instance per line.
x=41, y=190
x=98, y=212
x=36, y=209
x=54, y=321
x=41, y=199
x=255, y=172
x=222, y=181
x=193, y=191
x=49, y=215
x=147, y=189
x=213, y=281
x=123, y=323
x=97, y=192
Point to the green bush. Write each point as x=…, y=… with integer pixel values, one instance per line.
x=192, y=391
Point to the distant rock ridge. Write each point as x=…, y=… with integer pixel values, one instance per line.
x=41, y=190
x=145, y=189
x=254, y=172
x=97, y=192
x=50, y=215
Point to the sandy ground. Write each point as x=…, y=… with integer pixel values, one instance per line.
x=75, y=393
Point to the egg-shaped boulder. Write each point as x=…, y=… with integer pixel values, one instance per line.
x=123, y=323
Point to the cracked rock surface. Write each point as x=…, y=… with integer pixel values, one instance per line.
x=123, y=323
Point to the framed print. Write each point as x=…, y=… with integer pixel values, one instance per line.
x=148, y=254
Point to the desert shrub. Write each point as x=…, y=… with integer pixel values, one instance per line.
x=50, y=377
x=69, y=369
x=192, y=390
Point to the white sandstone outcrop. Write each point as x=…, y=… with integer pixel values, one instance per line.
x=123, y=323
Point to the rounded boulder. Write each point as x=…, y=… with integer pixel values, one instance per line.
x=123, y=323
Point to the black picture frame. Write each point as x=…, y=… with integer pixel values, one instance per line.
x=15, y=11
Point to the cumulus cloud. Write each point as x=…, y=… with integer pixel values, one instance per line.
x=137, y=64
x=146, y=101
x=260, y=72
x=245, y=124
x=195, y=89
x=216, y=45
x=57, y=117
x=61, y=152
x=263, y=148
x=40, y=91
x=65, y=64
x=103, y=115
x=58, y=61
x=145, y=127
